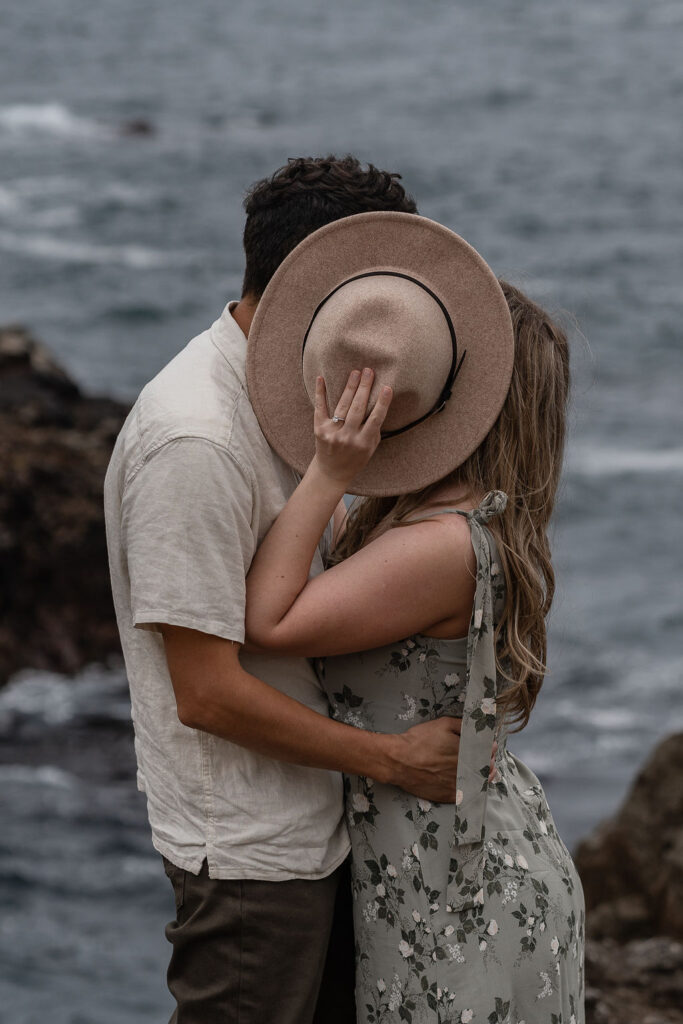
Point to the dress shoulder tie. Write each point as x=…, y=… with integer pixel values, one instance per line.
x=479, y=713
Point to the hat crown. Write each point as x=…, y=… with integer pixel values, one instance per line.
x=387, y=321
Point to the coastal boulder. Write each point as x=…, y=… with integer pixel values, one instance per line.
x=55, y=602
x=631, y=866
x=631, y=869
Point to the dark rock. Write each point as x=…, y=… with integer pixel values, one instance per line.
x=631, y=867
x=640, y=982
x=55, y=601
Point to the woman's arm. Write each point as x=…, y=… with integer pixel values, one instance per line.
x=339, y=523
x=404, y=582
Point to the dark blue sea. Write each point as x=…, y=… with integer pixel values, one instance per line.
x=549, y=135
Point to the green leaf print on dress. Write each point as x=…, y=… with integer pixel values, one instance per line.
x=469, y=913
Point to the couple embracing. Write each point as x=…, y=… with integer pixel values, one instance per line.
x=321, y=698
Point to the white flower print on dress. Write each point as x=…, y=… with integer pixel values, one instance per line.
x=360, y=803
x=405, y=949
x=555, y=944
x=547, y=985
x=410, y=708
x=466, y=1016
x=395, y=994
x=370, y=912
x=381, y=985
x=483, y=944
x=522, y=861
x=391, y=871
x=509, y=892
x=478, y=615
x=488, y=706
x=492, y=927
x=458, y=797
x=380, y=890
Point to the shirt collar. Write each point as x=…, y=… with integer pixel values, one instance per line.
x=231, y=341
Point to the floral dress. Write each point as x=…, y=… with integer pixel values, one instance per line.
x=472, y=912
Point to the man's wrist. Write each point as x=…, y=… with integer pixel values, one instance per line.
x=387, y=766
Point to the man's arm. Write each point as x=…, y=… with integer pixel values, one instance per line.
x=186, y=526
x=215, y=694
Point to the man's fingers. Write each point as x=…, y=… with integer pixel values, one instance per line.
x=452, y=724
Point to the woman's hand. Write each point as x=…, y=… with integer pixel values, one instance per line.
x=345, y=443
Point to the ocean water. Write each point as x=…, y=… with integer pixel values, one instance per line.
x=550, y=136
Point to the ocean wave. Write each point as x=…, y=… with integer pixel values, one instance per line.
x=619, y=462
x=49, y=119
x=46, y=247
x=37, y=775
x=9, y=201
x=48, y=699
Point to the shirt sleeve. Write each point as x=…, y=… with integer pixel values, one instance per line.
x=186, y=529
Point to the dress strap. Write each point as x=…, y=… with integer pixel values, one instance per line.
x=479, y=713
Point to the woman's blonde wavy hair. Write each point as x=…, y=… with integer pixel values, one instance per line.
x=522, y=456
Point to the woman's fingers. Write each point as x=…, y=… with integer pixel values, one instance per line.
x=379, y=413
x=359, y=404
x=321, y=414
x=352, y=407
x=348, y=394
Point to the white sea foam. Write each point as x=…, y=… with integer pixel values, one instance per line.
x=604, y=461
x=53, y=700
x=42, y=185
x=47, y=247
x=49, y=119
x=9, y=202
x=36, y=775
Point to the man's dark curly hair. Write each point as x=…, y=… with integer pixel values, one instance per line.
x=301, y=197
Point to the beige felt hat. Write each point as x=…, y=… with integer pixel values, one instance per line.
x=407, y=297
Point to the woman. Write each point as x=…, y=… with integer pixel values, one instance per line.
x=436, y=604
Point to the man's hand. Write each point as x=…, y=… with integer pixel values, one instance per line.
x=428, y=757
x=215, y=694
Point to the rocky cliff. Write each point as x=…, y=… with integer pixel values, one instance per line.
x=631, y=869
x=55, y=603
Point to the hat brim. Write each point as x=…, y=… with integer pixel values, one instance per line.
x=449, y=266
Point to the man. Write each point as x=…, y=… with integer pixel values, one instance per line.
x=236, y=753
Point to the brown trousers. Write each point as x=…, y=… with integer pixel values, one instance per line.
x=251, y=952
